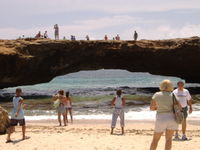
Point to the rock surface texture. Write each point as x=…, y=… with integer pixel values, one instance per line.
x=4, y=120
x=30, y=61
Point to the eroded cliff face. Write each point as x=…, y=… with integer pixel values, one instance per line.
x=25, y=62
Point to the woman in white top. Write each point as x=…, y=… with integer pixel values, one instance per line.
x=118, y=102
x=68, y=106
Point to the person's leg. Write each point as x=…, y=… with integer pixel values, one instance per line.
x=59, y=119
x=184, y=126
x=156, y=138
x=9, y=133
x=176, y=136
x=23, y=132
x=168, y=137
x=114, y=121
x=122, y=120
x=71, y=115
x=67, y=115
x=64, y=119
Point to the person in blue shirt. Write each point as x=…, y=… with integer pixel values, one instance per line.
x=17, y=115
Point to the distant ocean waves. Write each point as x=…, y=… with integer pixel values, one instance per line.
x=148, y=91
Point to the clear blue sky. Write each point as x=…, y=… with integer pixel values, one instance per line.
x=153, y=19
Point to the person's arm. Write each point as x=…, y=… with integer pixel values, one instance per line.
x=123, y=102
x=113, y=102
x=190, y=106
x=21, y=101
x=189, y=102
x=153, y=105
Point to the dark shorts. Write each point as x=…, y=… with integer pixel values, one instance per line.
x=185, y=112
x=15, y=122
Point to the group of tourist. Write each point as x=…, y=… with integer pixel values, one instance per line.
x=163, y=102
x=39, y=35
x=63, y=104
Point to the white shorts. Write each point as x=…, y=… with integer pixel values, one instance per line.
x=165, y=121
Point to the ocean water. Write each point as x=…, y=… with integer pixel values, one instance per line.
x=99, y=79
x=99, y=82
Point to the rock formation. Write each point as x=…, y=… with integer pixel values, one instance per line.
x=31, y=61
x=4, y=120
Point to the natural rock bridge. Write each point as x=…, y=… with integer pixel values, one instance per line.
x=30, y=61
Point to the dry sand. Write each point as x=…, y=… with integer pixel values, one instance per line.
x=94, y=135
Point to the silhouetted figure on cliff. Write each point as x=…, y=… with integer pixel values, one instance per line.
x=135, y=36
x=56, y=32
x=38, y=35
x=105, y=37
x=87, y=37
x=45, y=35
x=73, y=38
x=117, y=37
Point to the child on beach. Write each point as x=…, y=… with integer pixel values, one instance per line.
x=17, y=115
x=68, y=106
x=61, y=98
x=118, y=102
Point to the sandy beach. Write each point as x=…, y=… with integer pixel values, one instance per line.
x=94, y=135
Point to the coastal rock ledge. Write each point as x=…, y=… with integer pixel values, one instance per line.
x=30, y=61
x=4, y=121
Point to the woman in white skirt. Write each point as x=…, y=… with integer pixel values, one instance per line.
x=162, y=102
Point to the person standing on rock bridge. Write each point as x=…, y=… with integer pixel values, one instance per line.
x=135, y=36
x=56, y=32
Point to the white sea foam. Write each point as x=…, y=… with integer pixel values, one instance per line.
x=131, y=115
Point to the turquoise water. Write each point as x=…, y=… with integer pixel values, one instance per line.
x=99, y=79
x=100, y=82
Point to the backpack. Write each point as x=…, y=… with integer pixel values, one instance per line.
x=179, y=116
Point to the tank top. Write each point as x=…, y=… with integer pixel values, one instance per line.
x=118, y=102
x=15, y=107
